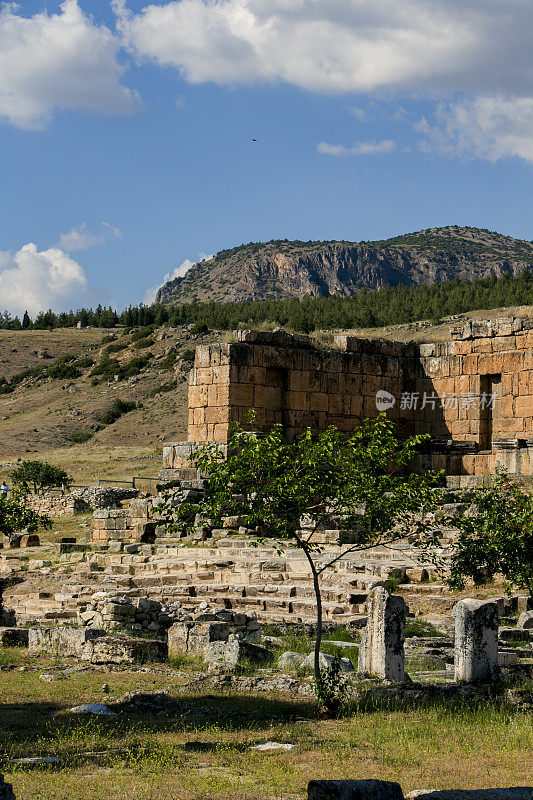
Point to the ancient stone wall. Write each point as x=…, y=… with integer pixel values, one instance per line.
x=478, y=388
x=286, y=380
x=79, y=501
x=473, y=394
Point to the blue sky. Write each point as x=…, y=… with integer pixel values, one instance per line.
x=126, y=132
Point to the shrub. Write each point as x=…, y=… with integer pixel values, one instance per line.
x=188, y=355
x=164, y=387
x=39, y=475
x=116, y=410
x=142, y=333
x=145, y=342
x=79, y=437
x=199, y=327
x=116, y=347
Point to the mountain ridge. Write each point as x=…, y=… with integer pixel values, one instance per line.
x=280, y=269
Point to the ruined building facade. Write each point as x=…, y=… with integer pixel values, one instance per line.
x=472, y=394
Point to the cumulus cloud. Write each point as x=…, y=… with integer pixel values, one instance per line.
x=484, y=127
x=358, y=149
x=178, y=272
x=440, y=49
x=340, y=45
x=37, y=280
x=62, y=60
x=79, y=237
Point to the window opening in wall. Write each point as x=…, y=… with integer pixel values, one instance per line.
x=490, y=391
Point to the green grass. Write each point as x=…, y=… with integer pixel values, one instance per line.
x=202, y=752
x=420, y=627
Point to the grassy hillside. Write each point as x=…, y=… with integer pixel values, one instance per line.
x=49, y=418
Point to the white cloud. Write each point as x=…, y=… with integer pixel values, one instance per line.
x=485, y=127
x=37, y=280
x=116, y=232
x=358, y=149
x=435, y=46
x=80, y=237
x=62, y=60
x=178, y=272
x=358, y=113
x=438, y=49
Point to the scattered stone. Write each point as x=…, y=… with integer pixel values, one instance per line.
x=50, y=677
x=325, y=662
x=354, y=790
x=94, y=708
x=228, y=655
x=511, y=793
x=525, y=620
x=272, y=746
x=290, y=660
x=476, y=640
x=521, y=699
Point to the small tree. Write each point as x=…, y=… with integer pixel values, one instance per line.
x=16, y=515
x=360, y=483
x=495, y=536
x=39, y=475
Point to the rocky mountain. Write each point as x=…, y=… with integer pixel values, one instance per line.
x=281, y=269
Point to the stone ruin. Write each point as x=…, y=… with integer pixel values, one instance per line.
x=473, y=394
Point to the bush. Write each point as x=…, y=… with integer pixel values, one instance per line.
x=199, y=327
x=116, y=347
x=142, y=333
x=116, y=410
x=164, y=387
x=146, y=342
x=39, y=475
x=188, y=355
x=79, y=437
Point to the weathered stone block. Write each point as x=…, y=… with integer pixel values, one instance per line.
x=354, y=790
x=124, y=650
x=382, y=647
x=64, y=641
x=476, y=640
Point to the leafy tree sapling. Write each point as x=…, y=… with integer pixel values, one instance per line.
x=38, y=476
x=16, y=515
x=495, y=536
x=359, y=482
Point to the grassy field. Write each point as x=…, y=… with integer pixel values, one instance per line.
x=203, y=750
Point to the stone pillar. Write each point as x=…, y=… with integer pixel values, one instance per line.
x=476, y=640
x=6, y=790
x=381, y=652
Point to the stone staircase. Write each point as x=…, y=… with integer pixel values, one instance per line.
x=230, y=572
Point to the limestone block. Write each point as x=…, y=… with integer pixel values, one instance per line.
x=382, y=647
x=63, y=640
x=354, y=790
x=525, y=620
x=228, y=655
x=124, y=650
x=476, y=640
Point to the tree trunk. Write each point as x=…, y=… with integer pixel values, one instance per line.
x=318, y=637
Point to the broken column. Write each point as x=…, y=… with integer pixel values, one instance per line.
x=476, y=640
x=381, y=652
